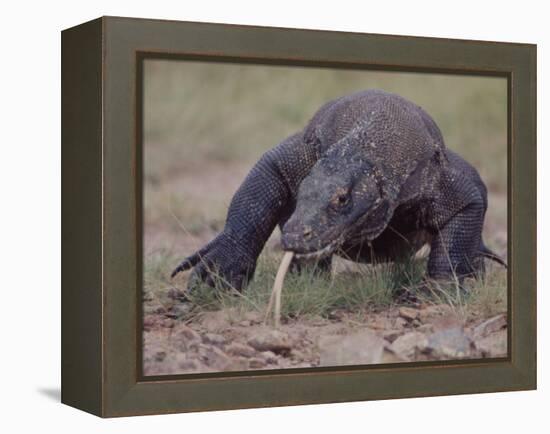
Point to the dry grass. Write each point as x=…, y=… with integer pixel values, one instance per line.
x=198, y=111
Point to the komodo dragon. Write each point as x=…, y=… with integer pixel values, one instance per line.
x=368, y=178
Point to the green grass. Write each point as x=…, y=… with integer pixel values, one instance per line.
x=305, y=294
x=309, y=294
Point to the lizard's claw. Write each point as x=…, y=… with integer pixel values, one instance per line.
x=219, y=264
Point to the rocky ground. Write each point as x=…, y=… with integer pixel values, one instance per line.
x=227, y=340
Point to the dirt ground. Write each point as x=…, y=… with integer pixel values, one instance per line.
x=226, y=340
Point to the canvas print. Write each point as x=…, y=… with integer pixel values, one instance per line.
x=304, y=217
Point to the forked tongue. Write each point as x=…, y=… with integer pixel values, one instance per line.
x=275, y=298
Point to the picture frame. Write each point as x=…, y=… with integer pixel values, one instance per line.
x=102, y=83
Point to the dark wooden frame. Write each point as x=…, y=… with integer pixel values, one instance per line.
x=101, y=215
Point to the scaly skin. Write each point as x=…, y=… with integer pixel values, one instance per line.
x=369, y=178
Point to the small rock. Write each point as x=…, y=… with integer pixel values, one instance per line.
x=490, y=326
x=449, y=321
x=256, y=363
x=425, y=328
x=238, y=349
x=400, y=323
x=380, y=323
x=183, y=331
x=389, y=356
x=215, y=322
x=335, y=315
x=151, y=309
x=271, y=340
x=391, y=335
x=179, y=310
x=408, y=313
x=361, y=348
x=449, y=343
x=297, y=354
x=239, y=363
x=392, y=313
x=149, y=322
x=269, y=357
x=493, y=345
x=160, y=310
x=186, y=364
x=253, y=316
x=159, y=356
x=245, y=323
x=214, y=357
x=284, y=363
x=214, y=339
x=435, y=311
x=167, y=323
x=176, y=294
x=409, y=345
x=319, y=321
x=302, y=365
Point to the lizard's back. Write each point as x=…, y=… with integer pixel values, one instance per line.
x=393, y=132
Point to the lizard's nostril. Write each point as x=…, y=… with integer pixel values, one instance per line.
x=307, y=232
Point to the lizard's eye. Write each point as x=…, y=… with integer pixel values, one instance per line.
x=340, y=198
x=343, y=199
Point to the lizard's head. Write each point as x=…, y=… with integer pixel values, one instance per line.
x=339, y=201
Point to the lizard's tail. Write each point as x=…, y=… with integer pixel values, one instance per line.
x=489, y=254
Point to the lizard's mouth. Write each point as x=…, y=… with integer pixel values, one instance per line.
x=333, y=246
x=330, y=241
x=319, y=254
x=312, y=253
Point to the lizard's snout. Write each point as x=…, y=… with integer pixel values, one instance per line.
x=300, y=239
x=292, y=241
x=297, y=241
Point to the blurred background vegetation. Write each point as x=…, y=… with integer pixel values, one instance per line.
x=206, y=124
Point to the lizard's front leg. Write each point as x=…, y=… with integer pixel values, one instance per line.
x=258, y=205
